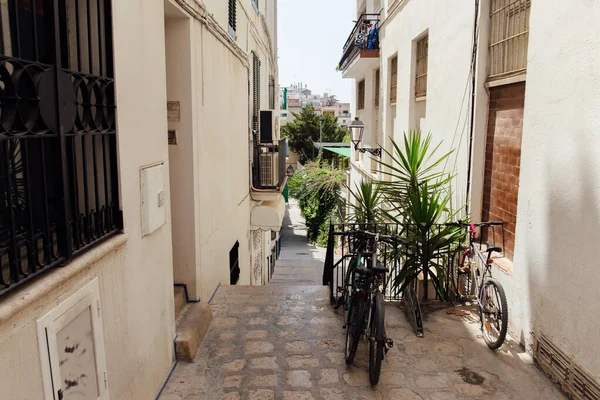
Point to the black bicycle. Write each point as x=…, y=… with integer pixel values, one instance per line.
x=363, y=299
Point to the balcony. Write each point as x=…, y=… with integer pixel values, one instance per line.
x=361, y=51
x=268, y=170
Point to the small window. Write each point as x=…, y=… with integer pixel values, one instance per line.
x=509, y=37
x=232, y=17
x=393, y=79
x=271, y=93
x=421, y=70
x=234, y=264
x=361, y=95
x=376, y=97
x=255, y=4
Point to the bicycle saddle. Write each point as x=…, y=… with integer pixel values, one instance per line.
x=493, y=249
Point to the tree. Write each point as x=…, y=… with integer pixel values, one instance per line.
x=332, y=100
x=303, y=132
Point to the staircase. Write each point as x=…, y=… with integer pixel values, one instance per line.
x=192, y=322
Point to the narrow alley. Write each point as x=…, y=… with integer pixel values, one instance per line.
x=284, y=341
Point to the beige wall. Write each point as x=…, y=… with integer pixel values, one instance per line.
x=135, y=274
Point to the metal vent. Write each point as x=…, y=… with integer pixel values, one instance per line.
x=562, y=370
x=267, y=175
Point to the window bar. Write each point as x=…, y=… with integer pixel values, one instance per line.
x=34, y=25
x=76, y=237
x=96, y=212
x=86, y=224
x=108, y=50
x=65, y=225
x=46, y=234
x=26, y=180
x=13, y=276
x=100, y=36
x=105, y=224
x=78, y=35
x=1, y=35
x=17, y=30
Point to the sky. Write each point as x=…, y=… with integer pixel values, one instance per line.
x=311, y=35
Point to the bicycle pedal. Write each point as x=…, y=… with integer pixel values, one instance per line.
x=389, y=343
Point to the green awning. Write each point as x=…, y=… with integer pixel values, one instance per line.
x=344, y=151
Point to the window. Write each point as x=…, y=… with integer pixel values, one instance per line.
x=271, y=93
x=59, y=192
x=509, y=37
x=421, y=69
x=255, y=91
x=393, y=79
x=232, y=17
x=376, y=97
x=361, y=95
x=255, y=4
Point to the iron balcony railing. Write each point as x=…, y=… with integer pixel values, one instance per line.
x=268, y=170
x=364, y=36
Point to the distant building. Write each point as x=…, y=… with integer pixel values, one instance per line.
x=294, y=97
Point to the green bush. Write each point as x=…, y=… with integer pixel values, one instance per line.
x=316, y=188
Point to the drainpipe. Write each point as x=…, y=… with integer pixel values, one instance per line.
x=472, y=123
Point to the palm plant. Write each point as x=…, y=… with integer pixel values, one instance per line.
x=417, y=196
x=367, y=206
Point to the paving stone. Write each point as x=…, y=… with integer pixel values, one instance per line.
x=259, y=347
x=224, y=351
x=432, y=381
x=234, y=381
x=444, y=396
x=230, y=396
x=257, y=321
x=252, y=310
x=286, y=334
x=221, y=322
x=297, y=346
x=289, y=395
x=329, y=376
x=357, y=377
x=404, y=394
x=299, y=379
x=234, y=366
x=304, y=361
x=227, y=335
x=426, y=365
x=261, y=394
x=287, y=320
x=332, y=394
x=329, y=344
x=392, y=378
x=264, y=380
x=264, y=363
x=256, y=334
x=465, y=389
x=336, y=358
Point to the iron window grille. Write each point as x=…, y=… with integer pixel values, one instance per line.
x=421, y=69
x=393, y=79
x=58, y=165
x=361, y=95
x=255, y=91
x=509, y=37
x=232, y=17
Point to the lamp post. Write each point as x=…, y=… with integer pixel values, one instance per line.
x=357, y=130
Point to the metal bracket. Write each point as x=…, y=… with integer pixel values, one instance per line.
x=376, y=151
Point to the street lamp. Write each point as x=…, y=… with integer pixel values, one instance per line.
x=356, y=137
x=289, y=171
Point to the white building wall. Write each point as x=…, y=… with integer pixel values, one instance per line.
x=135, y=274
x=553, y=286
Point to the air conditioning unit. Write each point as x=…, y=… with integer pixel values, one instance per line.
x=269, y=126
x=268, y=169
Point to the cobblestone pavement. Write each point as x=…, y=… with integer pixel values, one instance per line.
x=286, y=342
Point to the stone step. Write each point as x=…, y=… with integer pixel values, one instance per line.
x=308, y=263
x=180, y=300
x=191, y=329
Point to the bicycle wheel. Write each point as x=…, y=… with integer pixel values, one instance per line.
x=494, y=314
x=355, y=327
x=376, y=340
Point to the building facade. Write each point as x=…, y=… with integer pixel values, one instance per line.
x=130, y=163
x=489, y=80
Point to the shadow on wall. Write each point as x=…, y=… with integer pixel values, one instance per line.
x=563, y=272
